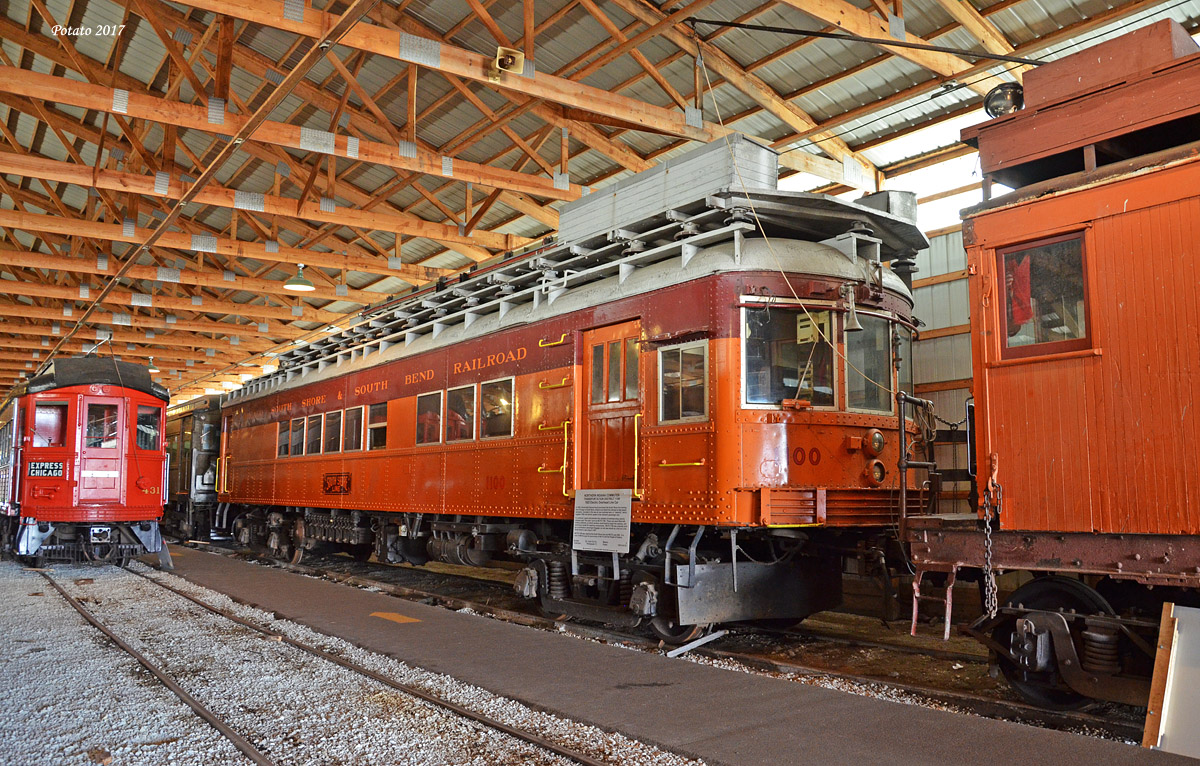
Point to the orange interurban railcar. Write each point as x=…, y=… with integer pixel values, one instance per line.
x=661, y=414
x=1085, y=330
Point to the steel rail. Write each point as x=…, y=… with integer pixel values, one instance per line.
x=433, y=699
x=240, y=742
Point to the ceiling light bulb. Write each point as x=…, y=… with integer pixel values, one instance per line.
x=299, y=283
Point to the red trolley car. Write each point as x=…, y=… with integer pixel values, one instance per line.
x=82, y=463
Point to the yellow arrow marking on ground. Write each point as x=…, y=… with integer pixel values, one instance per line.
x=394, y=617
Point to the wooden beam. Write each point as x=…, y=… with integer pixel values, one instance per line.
x=268, y=330
x=224, y=58
x=99, y=98
x=983, y=30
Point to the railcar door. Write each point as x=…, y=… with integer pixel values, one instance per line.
x=612, y=400
x=100, y=464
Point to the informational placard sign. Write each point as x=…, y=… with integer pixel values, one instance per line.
x=602, y=519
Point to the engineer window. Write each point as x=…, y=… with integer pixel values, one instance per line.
x=50, y=424
x=284, y=434
x=352, y=430
x=333, y=431
x=869, y=365
x=429, y=418
x=904, y=364
x=313, y=446
x=102, y=426
x=788, y=355
x=148, y=420
x=683, y=382
x=297, y=437
x=496, y=408
x=1045, y=304
x=377, y=426
x=460, y=414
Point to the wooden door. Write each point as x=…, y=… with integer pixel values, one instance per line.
x=104, y=434
x=612, y=398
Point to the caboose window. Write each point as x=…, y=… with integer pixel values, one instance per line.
x=377, y=426
x=429, y=418
x=101, y=426
x=284, y=435
x=1045, y=309
x=868, y=365
x=50, y=424
x=313, y=445
x=333, y=431
x=496, y=408
x=788, y=355
x=460, y=414
x=297, y=441
x=352, y=430
x=683, y=382
x=148, y=423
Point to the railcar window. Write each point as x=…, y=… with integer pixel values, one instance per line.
x=598, y=373
x=333, y=431
x=614, y=371
x=904, y=362
x=284, y=435
x=868, y=366
x=352, y=430
x=496, y=399
x=683, y=382
x=298, y=436
x=631, y=368
x=313, y=445
x=50, y=424
x=148, y=424
x=101, y=426
x=460, y=414
x=429, y=418
x=377, y=426
x=1044, y=296
x=788, y=355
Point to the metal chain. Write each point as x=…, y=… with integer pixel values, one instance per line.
x=947, y=423
x=989, y=575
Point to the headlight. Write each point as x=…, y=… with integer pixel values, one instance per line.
x=874, y=442
x=875, y=472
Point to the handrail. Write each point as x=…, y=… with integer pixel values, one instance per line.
x=562, y=468
x=665, y=464
x=637, y=487
x=543, y=344
x=544, y=427
x=566, y=381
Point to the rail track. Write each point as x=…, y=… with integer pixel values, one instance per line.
x=1121, y=724
x=247, y=747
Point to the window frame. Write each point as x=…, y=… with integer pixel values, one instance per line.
x=303, y=433
x=362, y=427
x=325, y=432
x=285, y=430
x=1052, y=347
x=512, y=420
x=66, y=422
x=702, y=343
x=892, y=320
x=137, y=412
x=811, y=306
x=308, y=434
x=368, y=427
x=441, y=435
x=474, y=414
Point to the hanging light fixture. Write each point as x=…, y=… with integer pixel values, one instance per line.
x=153, y=366
x=299, y=283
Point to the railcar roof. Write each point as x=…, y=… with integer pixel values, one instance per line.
x=94, y=370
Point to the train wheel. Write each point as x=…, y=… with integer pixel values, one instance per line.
x=1049, y=594
x=669, y=631
x=297, y=542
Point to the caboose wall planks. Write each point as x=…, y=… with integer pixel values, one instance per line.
x=1099, y=441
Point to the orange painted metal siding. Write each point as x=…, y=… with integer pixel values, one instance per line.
x=1102, y=439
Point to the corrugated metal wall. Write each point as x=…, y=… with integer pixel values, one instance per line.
x=942, y=357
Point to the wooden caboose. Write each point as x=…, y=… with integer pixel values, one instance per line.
x=1084, y=326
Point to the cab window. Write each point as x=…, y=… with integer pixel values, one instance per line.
x=683, y=382
x=788, y=354
x=50, y=424
x=868, y=365
x=101, y=428
x=148, y=421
